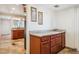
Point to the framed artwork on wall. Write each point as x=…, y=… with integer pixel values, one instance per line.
x=33, y=14
x=40, y=18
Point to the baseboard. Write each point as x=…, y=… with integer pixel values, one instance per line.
x=71, y=48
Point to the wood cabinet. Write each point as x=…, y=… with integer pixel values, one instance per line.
x=50, y=44
x=63, y=39
x=17, y=33
x=45, y=48
x=45, y=45
x=39, y=45
x=55, y=43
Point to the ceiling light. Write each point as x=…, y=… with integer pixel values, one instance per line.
x=56, y=6
x=17, y=4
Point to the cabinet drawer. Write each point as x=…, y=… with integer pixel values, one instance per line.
x=45, y=48
x=58, y=40
x=17, y=34
x=58, y=35
x=53, y=36
x=14, y=34
x=53, y=43
x=45, y=43
x=45, y=38
x=21, y=33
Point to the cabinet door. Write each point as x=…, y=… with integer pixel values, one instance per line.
x=45, y=48
x=54, y=49
x=58, y=47
x=58, y=40
x=63, y=39
x=53, y=42
x=14, y=34
x=45, y=38
x=45, y=45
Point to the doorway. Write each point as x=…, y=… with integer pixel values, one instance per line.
x=12, y=35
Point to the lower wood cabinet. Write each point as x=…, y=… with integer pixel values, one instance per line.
x=47, y=44
x=39, y=45
x=63, y=39
x=17, y=34
x=55, y=43
x=45, y=48
x=54, y=49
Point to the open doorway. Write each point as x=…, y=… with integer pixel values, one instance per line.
x=12, y=32
x=18, y=34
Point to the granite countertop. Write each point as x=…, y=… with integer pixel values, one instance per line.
x=45, y=32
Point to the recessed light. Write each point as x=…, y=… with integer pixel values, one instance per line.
x=13, y=8
x=17, y=4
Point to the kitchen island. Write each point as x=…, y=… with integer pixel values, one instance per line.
x=47, y=42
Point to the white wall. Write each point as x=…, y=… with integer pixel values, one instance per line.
x=6, y=26
x=77, y=25
x=5, y=29
x=48, y=19
x=66, y=20
x=0, y=30
x=5, y=22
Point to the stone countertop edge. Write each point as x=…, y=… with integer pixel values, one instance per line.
x=46, y=33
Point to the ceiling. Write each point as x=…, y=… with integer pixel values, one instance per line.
x=18, y=9
x=11, y=8
x=61, y=6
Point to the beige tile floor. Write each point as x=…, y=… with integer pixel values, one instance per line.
x=68, y=51
x=7, y=47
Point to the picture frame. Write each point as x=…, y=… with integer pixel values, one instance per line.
x=33, y=14
x=40, y=18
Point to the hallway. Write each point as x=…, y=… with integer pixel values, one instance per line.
x=12, y=46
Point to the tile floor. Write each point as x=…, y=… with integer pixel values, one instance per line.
x=68, y=51
x=12, y=46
